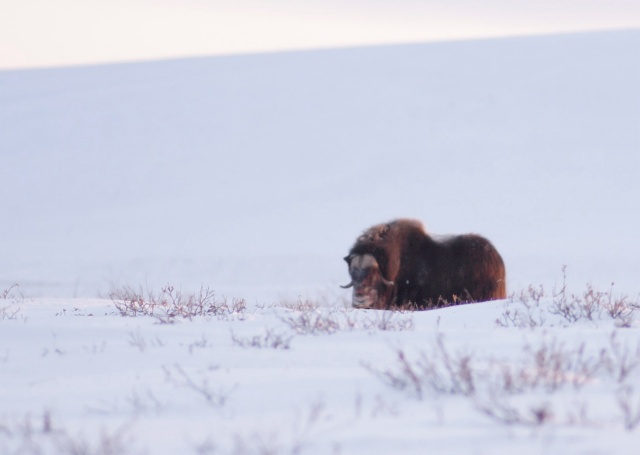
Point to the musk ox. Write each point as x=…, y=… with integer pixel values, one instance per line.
x=398, y=265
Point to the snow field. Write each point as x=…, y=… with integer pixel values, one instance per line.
x=301, y=377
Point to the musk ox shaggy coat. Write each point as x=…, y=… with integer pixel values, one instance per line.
x=398, y=265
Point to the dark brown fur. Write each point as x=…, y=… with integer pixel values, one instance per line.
x=426, y=272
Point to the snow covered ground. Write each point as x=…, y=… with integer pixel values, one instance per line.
x=252, y=175
x=297, y=378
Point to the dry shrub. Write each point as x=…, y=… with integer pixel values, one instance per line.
x=549, y=367
x=300, y=305
x=527, y=311
x=629, y=404
x=315, y=320
x=44, y=435
x=314, y=323
x=10, y=297
x=269, y=340
x=11, y=293
x=591, y=304
x=9, y=312
x=437, y=370
x=530, y=315
x=621, y=360
x=504, y=411
x=170, y=304
x=524, y=390
x=215, y=397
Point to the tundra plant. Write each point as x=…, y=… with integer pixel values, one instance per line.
x=524, y=390
x=8, y=299
x=170, y=304
x=532, y=308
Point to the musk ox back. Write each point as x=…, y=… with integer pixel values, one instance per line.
x=398, y=265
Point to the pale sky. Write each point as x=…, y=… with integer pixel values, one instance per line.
x=41, y=33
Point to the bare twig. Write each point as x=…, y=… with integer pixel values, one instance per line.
x=170, y=304
x=270, y=339
x=630, y=410
x=181, y=378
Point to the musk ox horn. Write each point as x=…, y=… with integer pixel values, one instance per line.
x=387, y=282
x=347, y=286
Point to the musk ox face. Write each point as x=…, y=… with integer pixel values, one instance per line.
x=370, y=288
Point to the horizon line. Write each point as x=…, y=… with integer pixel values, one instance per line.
x=302, y=49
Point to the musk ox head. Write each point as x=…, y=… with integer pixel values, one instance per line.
x=370, y=288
